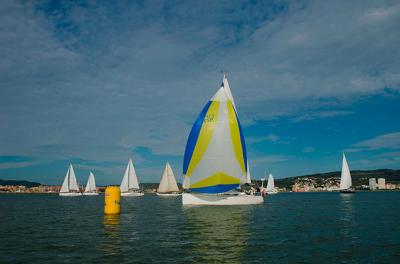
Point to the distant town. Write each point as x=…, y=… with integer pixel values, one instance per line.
x=332, y=184
x=375, y=180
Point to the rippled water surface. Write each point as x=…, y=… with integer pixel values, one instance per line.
x=288, y=228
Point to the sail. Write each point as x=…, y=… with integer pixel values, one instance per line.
x=168, y=182
x=91, y=184
x=172, y=185
x=345, y=178
x=270, y=184
x=228, y=92
x=130, y=180
x=215, y=159
x=73, y=185
x=248, y=176
x=65, y=187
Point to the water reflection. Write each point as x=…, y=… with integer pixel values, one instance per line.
x=112, y=235
x=217, y=234
x=346, y=213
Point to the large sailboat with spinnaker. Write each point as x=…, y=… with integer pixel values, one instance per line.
x=215, y=160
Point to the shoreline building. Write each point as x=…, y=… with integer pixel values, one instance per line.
x=381, y=184
x=372, y=184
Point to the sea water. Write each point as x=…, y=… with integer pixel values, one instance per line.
x=288, y=228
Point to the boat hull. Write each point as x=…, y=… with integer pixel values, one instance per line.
x=70, y=194
x=201, y=199
x=132, y=194
x=168, y=194
x=350, y=190
x=90, y=194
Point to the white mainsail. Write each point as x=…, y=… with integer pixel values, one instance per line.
x=91, y=184
x=168, y=182
x=345, y=178
x=248, y=176
x=270, y=184
x=69, y=183
x=130, y=180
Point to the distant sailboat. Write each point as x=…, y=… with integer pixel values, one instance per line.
x=130, y=184
x=248, y=176
x=168, y=185
x=90, y=186
x=345, y=178
x=271, y=185
x=70, y=186
x=215, y=160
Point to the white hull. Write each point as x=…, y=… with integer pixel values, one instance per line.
x=272, y=192
x=70, y=194
x=90, y=194
x=201, y=199
x=168, y=194
x=132, y=194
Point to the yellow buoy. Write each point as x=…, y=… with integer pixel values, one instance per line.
x=112, y=200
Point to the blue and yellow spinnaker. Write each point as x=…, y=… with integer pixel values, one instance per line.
x=215, y=158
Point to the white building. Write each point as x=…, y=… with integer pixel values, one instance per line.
x=381, y=184
x=372, y=184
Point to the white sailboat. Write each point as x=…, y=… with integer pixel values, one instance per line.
x=70, y=186
x=130, y=183
x=345, y=178
x=271, y=185
x=91, y=186
x=248, y=176
x=168, y=185
x=215, y=160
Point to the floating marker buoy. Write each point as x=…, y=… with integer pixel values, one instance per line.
x=112, y=199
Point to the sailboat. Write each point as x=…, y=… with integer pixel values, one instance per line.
x=70, y=186
x=91, y=186
x=168, y=186
x=345, y=178
x=248, y=176
x=271, y=185
x=215, y=160
x=130, y=184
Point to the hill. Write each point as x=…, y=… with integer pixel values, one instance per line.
x=28, y=184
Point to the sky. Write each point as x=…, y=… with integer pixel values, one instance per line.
x=97, y=82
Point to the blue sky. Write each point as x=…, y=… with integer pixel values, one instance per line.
x=97, y=82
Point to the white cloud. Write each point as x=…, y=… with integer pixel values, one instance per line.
x=267, y=159
x=386, y=141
